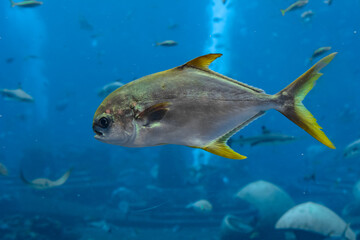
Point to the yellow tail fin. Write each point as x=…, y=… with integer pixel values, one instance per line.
x=283, y=12
x=291, y=101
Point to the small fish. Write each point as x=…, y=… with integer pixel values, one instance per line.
x=44, y=183
x=294, y=6
x=26, y=3
x=310, y=177
x=267, y=137
x=96, y=35
x=173, y=26
x=307, y=15
x=109, y=88
x=9, y=60
x=167, y=43
x=320, y=51
x=224, y=1
x=16, y=95
x=193, y=106
x=22, y=116
x=328, y=2
x=216, y=35
x=28, y=57
x=62, y=104
x=352, y=150
x=84, y=24
x=3, y=170
x=201, y=206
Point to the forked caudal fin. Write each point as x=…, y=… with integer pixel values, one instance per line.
x=292, y=96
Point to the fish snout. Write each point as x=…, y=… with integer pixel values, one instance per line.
x=98, y=131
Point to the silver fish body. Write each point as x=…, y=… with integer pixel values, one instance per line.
x=193, y=106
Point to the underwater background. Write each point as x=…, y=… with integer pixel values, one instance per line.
x=63, y=53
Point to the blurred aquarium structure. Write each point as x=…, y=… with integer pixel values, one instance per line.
x=59, y=59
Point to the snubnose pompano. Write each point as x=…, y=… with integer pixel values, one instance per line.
x=193, y=106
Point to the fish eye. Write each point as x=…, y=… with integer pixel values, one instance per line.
x=104, y=122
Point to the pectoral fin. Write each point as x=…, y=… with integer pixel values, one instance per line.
x=23, y=179
x=63, y=179
x=153, y=114
x=219, y=146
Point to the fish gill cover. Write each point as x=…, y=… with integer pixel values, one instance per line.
x=61, y=59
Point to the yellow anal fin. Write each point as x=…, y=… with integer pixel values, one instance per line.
x=219, y=146
x=223, y=150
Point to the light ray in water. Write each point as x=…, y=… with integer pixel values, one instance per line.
x=31, y=29
x=220, y=21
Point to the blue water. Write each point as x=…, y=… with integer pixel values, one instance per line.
x=142, y=193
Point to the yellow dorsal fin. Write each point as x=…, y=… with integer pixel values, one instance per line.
x=203, y=62
x=219, y=146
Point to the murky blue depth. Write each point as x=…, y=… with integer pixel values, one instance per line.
x=62, y=53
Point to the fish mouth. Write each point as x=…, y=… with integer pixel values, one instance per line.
x=98, y=134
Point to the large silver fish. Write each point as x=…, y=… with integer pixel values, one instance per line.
x=193, y=106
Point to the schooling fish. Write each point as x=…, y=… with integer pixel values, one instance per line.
x=320, y=51
x=167, y=43
x=3, y=170
x=16, y=95
x=328, y=2
x=267, y=137
x=26, y=3
x=201, y=206
x=193, y=106
x=44, y=183
x=294, y=6
x=109, y=88
x=307, y=15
